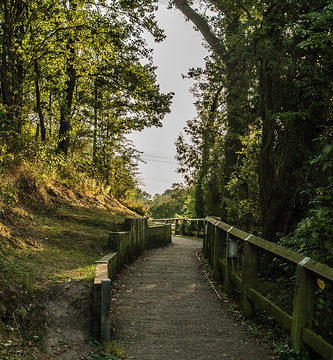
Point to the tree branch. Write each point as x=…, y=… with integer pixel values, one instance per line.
x=213, y=41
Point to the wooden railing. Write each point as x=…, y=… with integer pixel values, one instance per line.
x=220, y=245
x=123, y=246
x=175, y=222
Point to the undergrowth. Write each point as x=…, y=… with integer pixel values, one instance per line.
x=107, y=351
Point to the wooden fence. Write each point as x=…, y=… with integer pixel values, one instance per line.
x=124, y=246
x=220, y=245
x=176, y=223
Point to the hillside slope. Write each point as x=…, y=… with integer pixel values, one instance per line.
x=48, y=247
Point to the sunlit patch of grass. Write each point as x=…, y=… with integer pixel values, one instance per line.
x=113, y=348
x=85, y=273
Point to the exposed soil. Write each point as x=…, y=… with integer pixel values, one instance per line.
x=68, y=320
x=163, y=308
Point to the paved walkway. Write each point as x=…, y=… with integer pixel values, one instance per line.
x=164, y=309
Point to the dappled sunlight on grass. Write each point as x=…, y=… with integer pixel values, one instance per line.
x=44, y=245
x=86, y=273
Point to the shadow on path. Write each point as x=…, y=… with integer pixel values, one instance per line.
x=163, y=309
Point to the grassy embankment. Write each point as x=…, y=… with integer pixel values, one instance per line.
x=48, y=235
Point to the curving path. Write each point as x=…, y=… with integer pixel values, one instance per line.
x=164, y=309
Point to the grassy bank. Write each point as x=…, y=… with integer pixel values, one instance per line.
x=44, y=242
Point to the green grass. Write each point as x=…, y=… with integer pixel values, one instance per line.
x=54, y=244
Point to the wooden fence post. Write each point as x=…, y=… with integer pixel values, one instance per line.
x=141, y=234
x=227, y=281
x=249, y=278
x=218, y=252
x=176, y=226
x=144, y=231
x=209, y=242
x=105, y=310
x=303, y=303
x=212, y=245
x=204, y=242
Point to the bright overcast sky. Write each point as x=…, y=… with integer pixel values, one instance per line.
x=181, y=50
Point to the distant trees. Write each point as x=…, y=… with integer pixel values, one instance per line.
x=176, y=201
x=73, y=81
x=269, y=80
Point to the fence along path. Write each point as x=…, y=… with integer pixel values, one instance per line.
x=163, y=308
x=220, y=245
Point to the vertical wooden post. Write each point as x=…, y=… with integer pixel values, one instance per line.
x=141, y=235
x=105, y=310
x=208, y=241
x=176, y=226
x=227, y=281
x=133, y=250
x=138, y=230
x=212, y=245
x=303, y=303
x=249, y=276
x=218, y=252
x=135, y=235
x=145, y=227
x=204, y=240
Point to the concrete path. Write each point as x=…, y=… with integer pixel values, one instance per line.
x=164, y=309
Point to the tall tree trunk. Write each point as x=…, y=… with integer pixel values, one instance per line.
x=12, y=70
x=277, y=181
x=38, y=104
x=95, y=122
x=66, y=107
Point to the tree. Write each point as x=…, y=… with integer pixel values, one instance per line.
x=275, y=58
x=72, y=75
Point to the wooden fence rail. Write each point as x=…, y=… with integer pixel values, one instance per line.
x=220, y=247
x=175, y=222
x=123, y=246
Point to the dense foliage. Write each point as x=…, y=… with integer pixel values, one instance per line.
x=174, y=202
x=262, y=137
x=76, y=76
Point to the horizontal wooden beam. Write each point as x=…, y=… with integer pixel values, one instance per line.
x=319, y=270
x=318, y=344
x=263, y=303
x=172, y=219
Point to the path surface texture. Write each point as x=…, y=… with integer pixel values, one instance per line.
x=163, y=308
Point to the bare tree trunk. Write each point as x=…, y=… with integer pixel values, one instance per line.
x=12, y=70
x=95, y=121
x=66, y=107
x=38, y=104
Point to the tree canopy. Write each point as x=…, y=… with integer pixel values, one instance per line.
x=76, y=77
x=263, y=114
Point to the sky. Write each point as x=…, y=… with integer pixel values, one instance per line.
x=181, y=50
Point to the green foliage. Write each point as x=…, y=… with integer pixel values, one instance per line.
x=313, y=234
x=183, y=227
x=174, y=202
x=107, y=351
x=262, y=99
x=243, y=203
x=286, y=352
x=80, y=68
x=190, y=228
